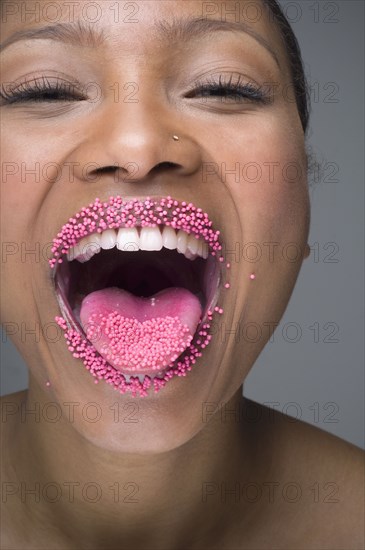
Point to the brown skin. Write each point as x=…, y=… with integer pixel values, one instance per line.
x=171, y=452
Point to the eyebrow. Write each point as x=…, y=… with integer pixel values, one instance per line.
x=179, y=30
x=77, y=34
x=185, y=29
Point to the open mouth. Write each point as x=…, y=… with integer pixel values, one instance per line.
x=137, y=283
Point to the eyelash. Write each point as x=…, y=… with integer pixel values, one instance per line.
x=39, y=90
x=42, y=90
x=236, y=90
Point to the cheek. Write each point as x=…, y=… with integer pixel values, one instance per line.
x=31, y=162
x=266, y=174
x=22, y=183
x=23, y=189
x=276, y=208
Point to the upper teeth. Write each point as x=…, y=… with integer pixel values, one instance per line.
x=129, y=239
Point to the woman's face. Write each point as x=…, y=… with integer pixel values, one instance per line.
x=131, y=77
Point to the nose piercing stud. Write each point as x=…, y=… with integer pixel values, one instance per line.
x=175, y=138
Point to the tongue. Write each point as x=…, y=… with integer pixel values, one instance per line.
x=139, y=335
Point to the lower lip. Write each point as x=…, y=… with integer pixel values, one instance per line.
x=125, y=380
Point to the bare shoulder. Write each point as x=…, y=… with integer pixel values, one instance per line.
x=16, y=397
x=321, y=480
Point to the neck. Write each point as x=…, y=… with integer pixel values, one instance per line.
x=96, y=491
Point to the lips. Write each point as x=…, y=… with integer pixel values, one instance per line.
x=137, y=282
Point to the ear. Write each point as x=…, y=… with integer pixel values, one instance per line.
x=307, y=251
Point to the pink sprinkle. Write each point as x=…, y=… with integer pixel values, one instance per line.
x=252, y=276
x=48, y=384
x=130, y=344
x=227, y=285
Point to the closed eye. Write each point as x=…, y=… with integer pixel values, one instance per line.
x=41, y=90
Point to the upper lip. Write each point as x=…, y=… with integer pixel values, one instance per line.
x=117, y=212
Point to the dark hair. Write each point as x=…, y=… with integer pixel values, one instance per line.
x=299, y=81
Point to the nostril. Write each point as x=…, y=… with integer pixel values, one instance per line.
x=112, y=170
x=104, y=170
x=163, y=166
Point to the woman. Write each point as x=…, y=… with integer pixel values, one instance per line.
x=146, y=143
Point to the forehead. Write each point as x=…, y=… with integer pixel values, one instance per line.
x=140, y=21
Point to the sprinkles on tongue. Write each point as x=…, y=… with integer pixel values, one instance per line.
x=134, y=345
x=144, y=334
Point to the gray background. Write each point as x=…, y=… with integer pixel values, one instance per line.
x=302, y=373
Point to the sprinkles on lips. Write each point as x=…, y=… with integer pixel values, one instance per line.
x=114, y=214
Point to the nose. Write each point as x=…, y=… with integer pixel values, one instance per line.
x=133, y=144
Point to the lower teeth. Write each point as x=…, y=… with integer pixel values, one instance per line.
x=141, y=377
